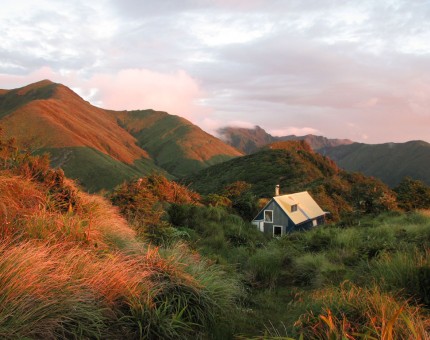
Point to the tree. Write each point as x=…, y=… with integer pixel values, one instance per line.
x=370, y=195
x=243, y=201
x=413, y=194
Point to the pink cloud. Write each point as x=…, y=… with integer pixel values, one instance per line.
x=130, y=89
x=298, y=131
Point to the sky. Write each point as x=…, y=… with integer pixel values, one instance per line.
x=342, y=69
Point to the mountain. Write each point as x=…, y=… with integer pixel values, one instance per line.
x=390, y=162
x=175, y=144
x=102, y=148
x=250, y=140
x=296, y=167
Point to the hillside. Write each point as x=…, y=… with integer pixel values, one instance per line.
x=250, y=140
x=96, y=146
x=296, y=167
x=176, y=145
x=390, y=162
x=72, y=268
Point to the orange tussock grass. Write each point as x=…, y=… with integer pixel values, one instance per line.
x=42, y=284
x=18, y=197
x=27, y=211
x=353, y=312
x=105, y=224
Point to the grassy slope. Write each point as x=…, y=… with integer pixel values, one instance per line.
x=95, y=170
x=46, y=116
x=295, y=167
x=81, y=272
x=364, y=274
x=175, y=144
x=390, y=162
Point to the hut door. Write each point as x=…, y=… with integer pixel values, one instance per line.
x=277, y=231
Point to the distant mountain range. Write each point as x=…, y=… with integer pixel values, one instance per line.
x=250, y=140
x=390, y=162
x=102, y=148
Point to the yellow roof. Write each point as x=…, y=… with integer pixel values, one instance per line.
x=307, y=208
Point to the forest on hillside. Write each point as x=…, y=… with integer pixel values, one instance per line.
x=153, y=259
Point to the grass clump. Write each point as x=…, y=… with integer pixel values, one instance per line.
x=350, y=312
x=408, y=273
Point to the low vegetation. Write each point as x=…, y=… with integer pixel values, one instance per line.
x=71, y=267
x=296, y=167
x=366, y=277
x=168, y=263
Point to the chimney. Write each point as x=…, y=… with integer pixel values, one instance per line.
x=277, y=190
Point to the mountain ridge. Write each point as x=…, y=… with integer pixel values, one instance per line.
x=296, y=167
x=390, y=162
x=250, y=140
x=48, y=116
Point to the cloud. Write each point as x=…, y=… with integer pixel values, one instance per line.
x=308, y=64
x=298, y=131
x=130, y=89
x=133, y=89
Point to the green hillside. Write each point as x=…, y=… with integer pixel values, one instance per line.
x=390, y=162
x=175, y=144
x=296, y=167
x=95, y=170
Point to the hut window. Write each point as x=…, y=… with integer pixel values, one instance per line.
x=294, y=208
x=268, y=216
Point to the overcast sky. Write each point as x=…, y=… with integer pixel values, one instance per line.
x=343, y=69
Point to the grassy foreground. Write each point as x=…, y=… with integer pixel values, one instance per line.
x=370, y=280
x=72, y=267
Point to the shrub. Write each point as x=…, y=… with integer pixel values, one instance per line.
x=413, y=194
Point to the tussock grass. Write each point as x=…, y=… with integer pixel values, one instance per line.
x=350, y=312
x=82, y=273
x=408, y=273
